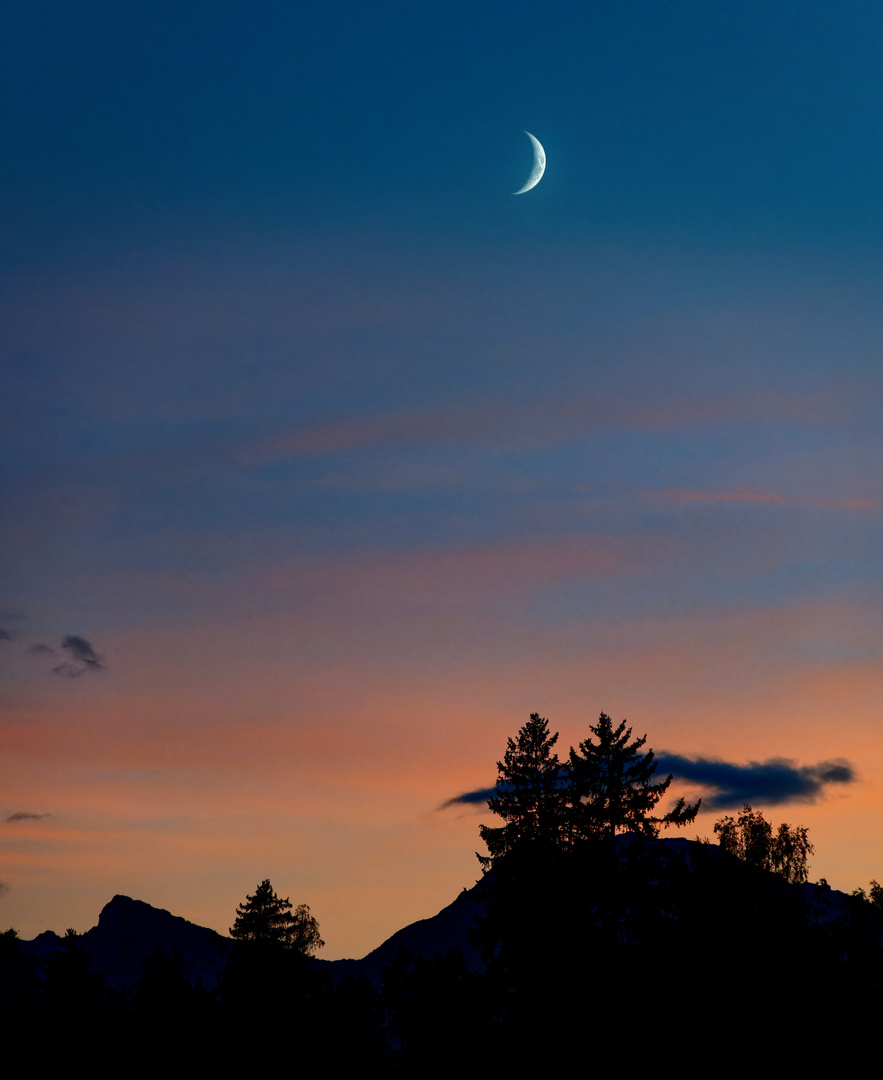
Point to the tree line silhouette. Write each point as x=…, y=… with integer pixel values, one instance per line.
x=588, y=924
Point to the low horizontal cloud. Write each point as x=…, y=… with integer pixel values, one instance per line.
x=771, y=782
x=25, y=815
x=537, y=423
x=83, y=658
x=751, y=496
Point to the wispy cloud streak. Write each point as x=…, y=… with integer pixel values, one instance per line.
x=538, y=423
x=685, y=495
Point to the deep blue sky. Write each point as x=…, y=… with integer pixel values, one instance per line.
x=721, y=121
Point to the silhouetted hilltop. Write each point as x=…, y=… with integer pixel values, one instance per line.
x=692, y=929
x=128, y=931
x=448, y=929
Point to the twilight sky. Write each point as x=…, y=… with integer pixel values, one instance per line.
x=327, y=461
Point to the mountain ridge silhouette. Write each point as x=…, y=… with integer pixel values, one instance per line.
x=128, y=930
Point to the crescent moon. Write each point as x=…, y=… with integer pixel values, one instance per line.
x=539, y=165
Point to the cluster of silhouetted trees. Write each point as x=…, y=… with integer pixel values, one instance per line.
x=595, y=935
x=603, y=788
x=590, y=918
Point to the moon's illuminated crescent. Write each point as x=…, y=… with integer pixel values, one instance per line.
x=539, y=166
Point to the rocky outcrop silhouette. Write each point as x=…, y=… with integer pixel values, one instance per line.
x=128, y=931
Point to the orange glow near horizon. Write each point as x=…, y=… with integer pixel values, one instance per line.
x=185, y=790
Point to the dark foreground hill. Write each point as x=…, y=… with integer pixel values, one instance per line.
x=646, y=948
x=128, y=931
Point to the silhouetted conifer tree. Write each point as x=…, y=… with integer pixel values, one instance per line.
x=19, y=993
x=269, y=993
x=434, y=1011
x=612, y=789
x=359, y=1035
x=529, y=796
x=561, y=898
x=76, y=998
x=266, y=918
x=163, y=995
x=170, y=1018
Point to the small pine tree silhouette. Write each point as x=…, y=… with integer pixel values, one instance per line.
x=268, y=919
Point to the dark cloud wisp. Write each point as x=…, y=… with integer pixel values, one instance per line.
x=83, y=658
x=25, y=815
x=470, y=798
x=771, y=782
x=41, y=650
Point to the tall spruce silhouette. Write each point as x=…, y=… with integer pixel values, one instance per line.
x=529, y=798
x=521, y=880
x=611, y=787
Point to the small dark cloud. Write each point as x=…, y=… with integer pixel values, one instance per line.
x=5, y=635
x=41, y=650
x=470, y=798
x=83, y=658
x=3, y=888
x=778, y=780
x=25, y=815
x=80, y=650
